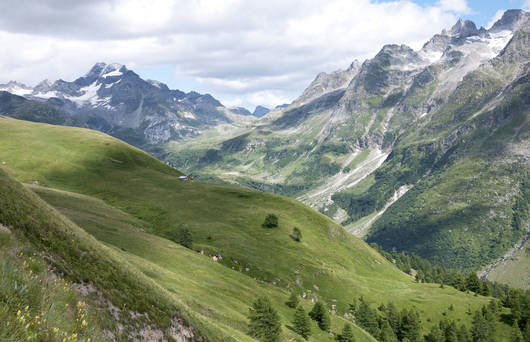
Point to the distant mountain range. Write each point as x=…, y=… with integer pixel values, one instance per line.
x=423, y=151
x=259, y=111
x=406, y=149
x=115, y=100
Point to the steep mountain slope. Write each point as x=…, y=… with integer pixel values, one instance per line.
x=405, y=123
x=130, y=201
x=117, y=290
x=471, y=195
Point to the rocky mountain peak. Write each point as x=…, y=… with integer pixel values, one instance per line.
x=44, y=86
x=16, y=88
x=240, y=110
x=355, y=65
x=463, y=29
x=511, y=20
x=158, y=84
x=259, y=111
x=105, y=70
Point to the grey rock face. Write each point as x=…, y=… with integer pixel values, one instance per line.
x=326, y=83
x=240, y=111
x=259, y=111
x=511, y=20
x=464, y=29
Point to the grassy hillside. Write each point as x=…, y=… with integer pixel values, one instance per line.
x=130, y=202
x=35, y=304
x=109, y=282
x=514, y=271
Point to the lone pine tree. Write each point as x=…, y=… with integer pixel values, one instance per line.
x=301, y=323
x=264, y=323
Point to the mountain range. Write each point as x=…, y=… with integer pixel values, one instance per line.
x=115, y=100
x=422, y=151
x=422, y=154
x=405, y=149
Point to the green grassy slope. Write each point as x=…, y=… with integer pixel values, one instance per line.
x=204, y=285
x=129, y=200
x=79, y=258
x=514, y=271
x=35, y=305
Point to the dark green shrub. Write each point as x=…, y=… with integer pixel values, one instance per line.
x=271, y=221
x=296, y=234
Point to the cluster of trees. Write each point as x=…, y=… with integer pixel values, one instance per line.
x=428, y=273
x=265, y=324
x=387, y=324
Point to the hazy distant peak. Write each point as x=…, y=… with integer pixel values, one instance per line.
x=104, y=70
x=355, y=65
x=463, y=29
x=511, y=20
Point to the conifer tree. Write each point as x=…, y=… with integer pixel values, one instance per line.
x=485, y=289
x=296, y=234
x=271, y=221
x=463, y=334
x=264, y=323
x=449, y=330
x=435, y=335
x=480, y=331
x=473, y=282
x=387, y=334
x=367, y=318
x=317, y=311
x=301, y=323
x=347, y=334
x=392, y=315
x=292, y=302
x=515, y=334
x=321, y=316
x=325, y=322
x=526, y=331
x=409, y=326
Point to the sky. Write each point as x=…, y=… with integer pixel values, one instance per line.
x=243, y=52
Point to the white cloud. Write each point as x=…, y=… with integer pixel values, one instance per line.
x=496, y=17
x=251, y=50
x=233, y=102
x=458, y=6
x=267, y=98
x=526, y=5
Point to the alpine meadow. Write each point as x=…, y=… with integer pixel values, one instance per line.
x=388, y=201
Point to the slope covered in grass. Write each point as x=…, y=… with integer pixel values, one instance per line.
x=35, y=305
x=130, y=202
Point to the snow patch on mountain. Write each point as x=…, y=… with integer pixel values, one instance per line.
x=90, y=95
x=16, y=88
x=46, y=95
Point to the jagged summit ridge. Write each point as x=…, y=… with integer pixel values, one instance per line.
x=511, y=20
x=463, y=29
